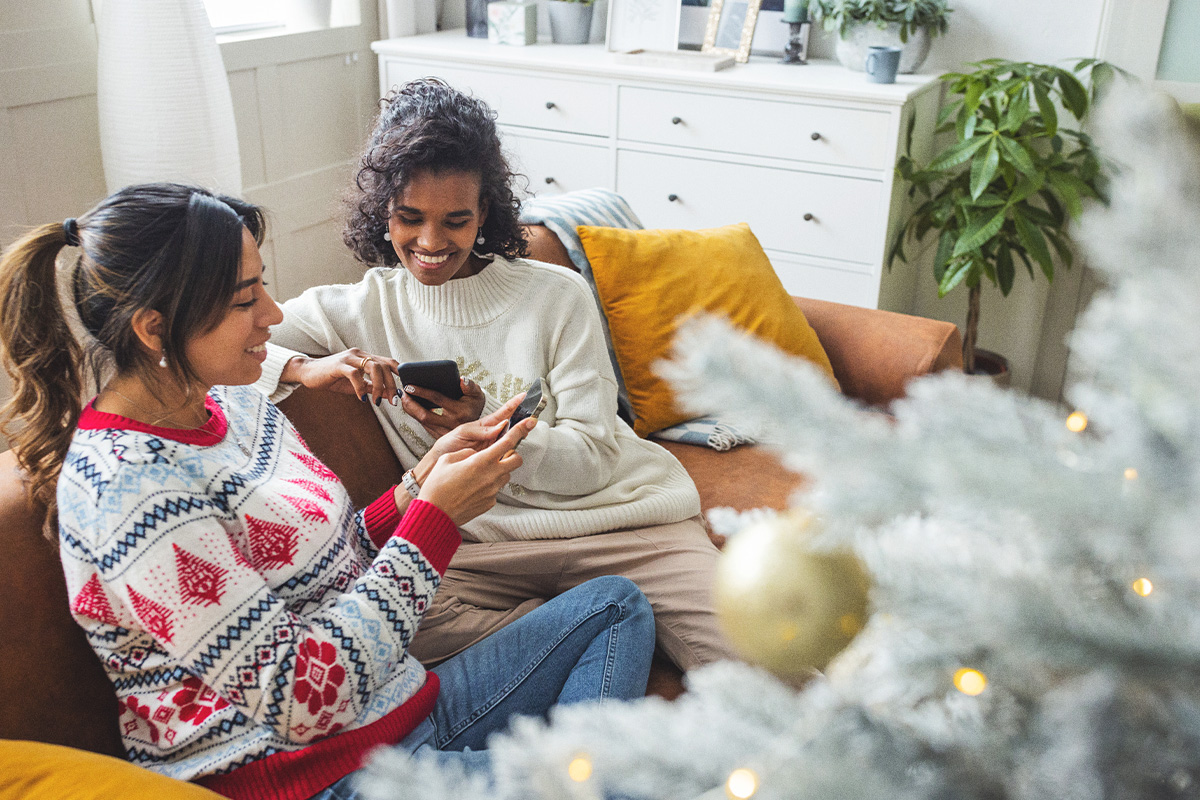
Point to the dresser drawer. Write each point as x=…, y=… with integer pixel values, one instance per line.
x=529, y=101
x=845, y=215
x=841, y=136
x=554, y=167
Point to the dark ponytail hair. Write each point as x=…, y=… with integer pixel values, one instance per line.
x=166, y=247
x=428, y=125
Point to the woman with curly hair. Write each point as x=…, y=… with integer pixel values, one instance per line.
x=434, y=214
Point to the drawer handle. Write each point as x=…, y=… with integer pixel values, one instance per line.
x=816, y=137
x=549, y=179
x=550, y=104
x=672, y=198
x=809, y=217
x=676, y=120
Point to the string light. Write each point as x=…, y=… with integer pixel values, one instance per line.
x=742, y=784
x=1077, y=422
x=580, y=769
x=1143, y=586
x=1131, y=474
x=970, y=681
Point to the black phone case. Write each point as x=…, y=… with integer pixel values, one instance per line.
x=440, y=376
x=531, y=406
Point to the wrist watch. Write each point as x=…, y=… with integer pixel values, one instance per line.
x=410, y=484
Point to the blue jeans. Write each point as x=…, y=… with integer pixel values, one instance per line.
x=590, y=644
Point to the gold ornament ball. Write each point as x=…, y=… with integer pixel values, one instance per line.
x=782, y=605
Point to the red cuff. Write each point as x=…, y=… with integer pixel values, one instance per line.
x=429, y=529
x=381, y=518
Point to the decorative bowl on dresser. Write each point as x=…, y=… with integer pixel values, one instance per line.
x=805, y=155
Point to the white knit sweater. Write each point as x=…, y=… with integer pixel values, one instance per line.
x=585, y=471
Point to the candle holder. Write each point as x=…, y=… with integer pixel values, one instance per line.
x=796, y=49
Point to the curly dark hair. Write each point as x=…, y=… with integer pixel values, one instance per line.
x=428, y=125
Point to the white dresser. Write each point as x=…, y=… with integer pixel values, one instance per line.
x=804, y=154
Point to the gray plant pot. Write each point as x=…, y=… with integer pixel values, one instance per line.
x=852, y=50
x=570, y=23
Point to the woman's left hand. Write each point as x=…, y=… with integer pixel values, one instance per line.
x=453, y=412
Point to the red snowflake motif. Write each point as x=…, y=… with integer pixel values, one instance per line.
x=141, y=711
x=196, y=701
x=92, y=601
x=199, y=580
x=313, y=463
x=318, y=675
x=313, y=487
x=154, y=616
x=272, y=544
x=308, y=509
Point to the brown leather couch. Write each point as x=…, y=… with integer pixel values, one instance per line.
x=52, y=688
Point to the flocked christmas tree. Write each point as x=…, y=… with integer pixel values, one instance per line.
x=1034, y=627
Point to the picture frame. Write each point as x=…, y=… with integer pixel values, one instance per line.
x=730, y=28
x=770, y=32
x=642, y=25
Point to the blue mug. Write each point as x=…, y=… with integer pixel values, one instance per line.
x=882, y=63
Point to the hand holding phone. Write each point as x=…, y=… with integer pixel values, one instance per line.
x=440, y=376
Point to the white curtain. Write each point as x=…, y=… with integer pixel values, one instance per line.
x=164, y=102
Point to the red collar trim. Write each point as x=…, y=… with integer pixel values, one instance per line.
x=210, y=433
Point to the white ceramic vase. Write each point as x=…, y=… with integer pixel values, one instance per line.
x=852, y=48
x=165, y=109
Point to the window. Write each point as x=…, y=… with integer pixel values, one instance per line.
x=236, y=16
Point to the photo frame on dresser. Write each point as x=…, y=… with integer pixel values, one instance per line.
x=730, y=28
x=642, y=25
x=770, y=33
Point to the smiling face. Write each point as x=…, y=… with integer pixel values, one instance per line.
x=433, y=226
x=232, y=352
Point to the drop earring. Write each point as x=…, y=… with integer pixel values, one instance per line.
x=387, y=236
x=162, y=362
x=480, y=239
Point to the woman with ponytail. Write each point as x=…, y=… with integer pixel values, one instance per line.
x=254, y=625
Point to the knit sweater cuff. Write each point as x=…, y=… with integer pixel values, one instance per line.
x=381, y=518
x=429, y=529
x=268, y=383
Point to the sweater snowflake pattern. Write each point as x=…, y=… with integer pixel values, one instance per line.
x=255, y=627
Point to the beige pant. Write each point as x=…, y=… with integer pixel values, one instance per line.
x=490, y=584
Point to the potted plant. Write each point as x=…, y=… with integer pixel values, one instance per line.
x=1010, y=182
x=570, y=21
x=909, y=24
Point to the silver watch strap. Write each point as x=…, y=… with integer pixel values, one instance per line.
x=410, y=484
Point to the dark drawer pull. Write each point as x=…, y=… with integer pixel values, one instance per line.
x=808, y=217
x=816, y=137
x=672, y=198
x=676, y=120
x=550, y=104
x=549, y=179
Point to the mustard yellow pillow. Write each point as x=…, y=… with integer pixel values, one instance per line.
x=650, y=279
x=36, y=771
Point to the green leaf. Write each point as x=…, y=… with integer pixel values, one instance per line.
x=972, y=95
x=957, y=154
x=1067, y=191
x=1061, y=247
x=942, y=258
x=1004, y=270
x=954, y=275
x=979, y=231
x=1033, y=241
x=1019, y=156
x=1074, y=95
x=1048, y=111
x=949, y=111
x=989, y=200
x=984, y=169
x=1026, y=188
x=1017, y=113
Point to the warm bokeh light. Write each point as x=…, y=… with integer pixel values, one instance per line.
x=1143, y=586
x=742, y=783
x=970, y=681
x=1077, y=421
x=1130, y=474
x=580, y=769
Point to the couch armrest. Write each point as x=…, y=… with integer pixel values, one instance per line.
x=875, y=353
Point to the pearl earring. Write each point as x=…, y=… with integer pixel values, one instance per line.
x=479, y=239
x=387, y=236
x=162, y=362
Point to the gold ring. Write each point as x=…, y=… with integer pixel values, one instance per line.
x=362, y=367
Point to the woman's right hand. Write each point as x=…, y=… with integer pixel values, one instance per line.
x=464, y=483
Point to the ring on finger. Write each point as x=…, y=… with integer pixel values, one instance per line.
x=362, y=366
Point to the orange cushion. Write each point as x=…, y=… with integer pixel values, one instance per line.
x=37, y=771
x=648, y=280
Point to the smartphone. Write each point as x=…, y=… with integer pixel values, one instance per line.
x=531, y=406
x=440, y=376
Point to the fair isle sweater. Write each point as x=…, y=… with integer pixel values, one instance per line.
x=585, y=471
x=255, y=627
